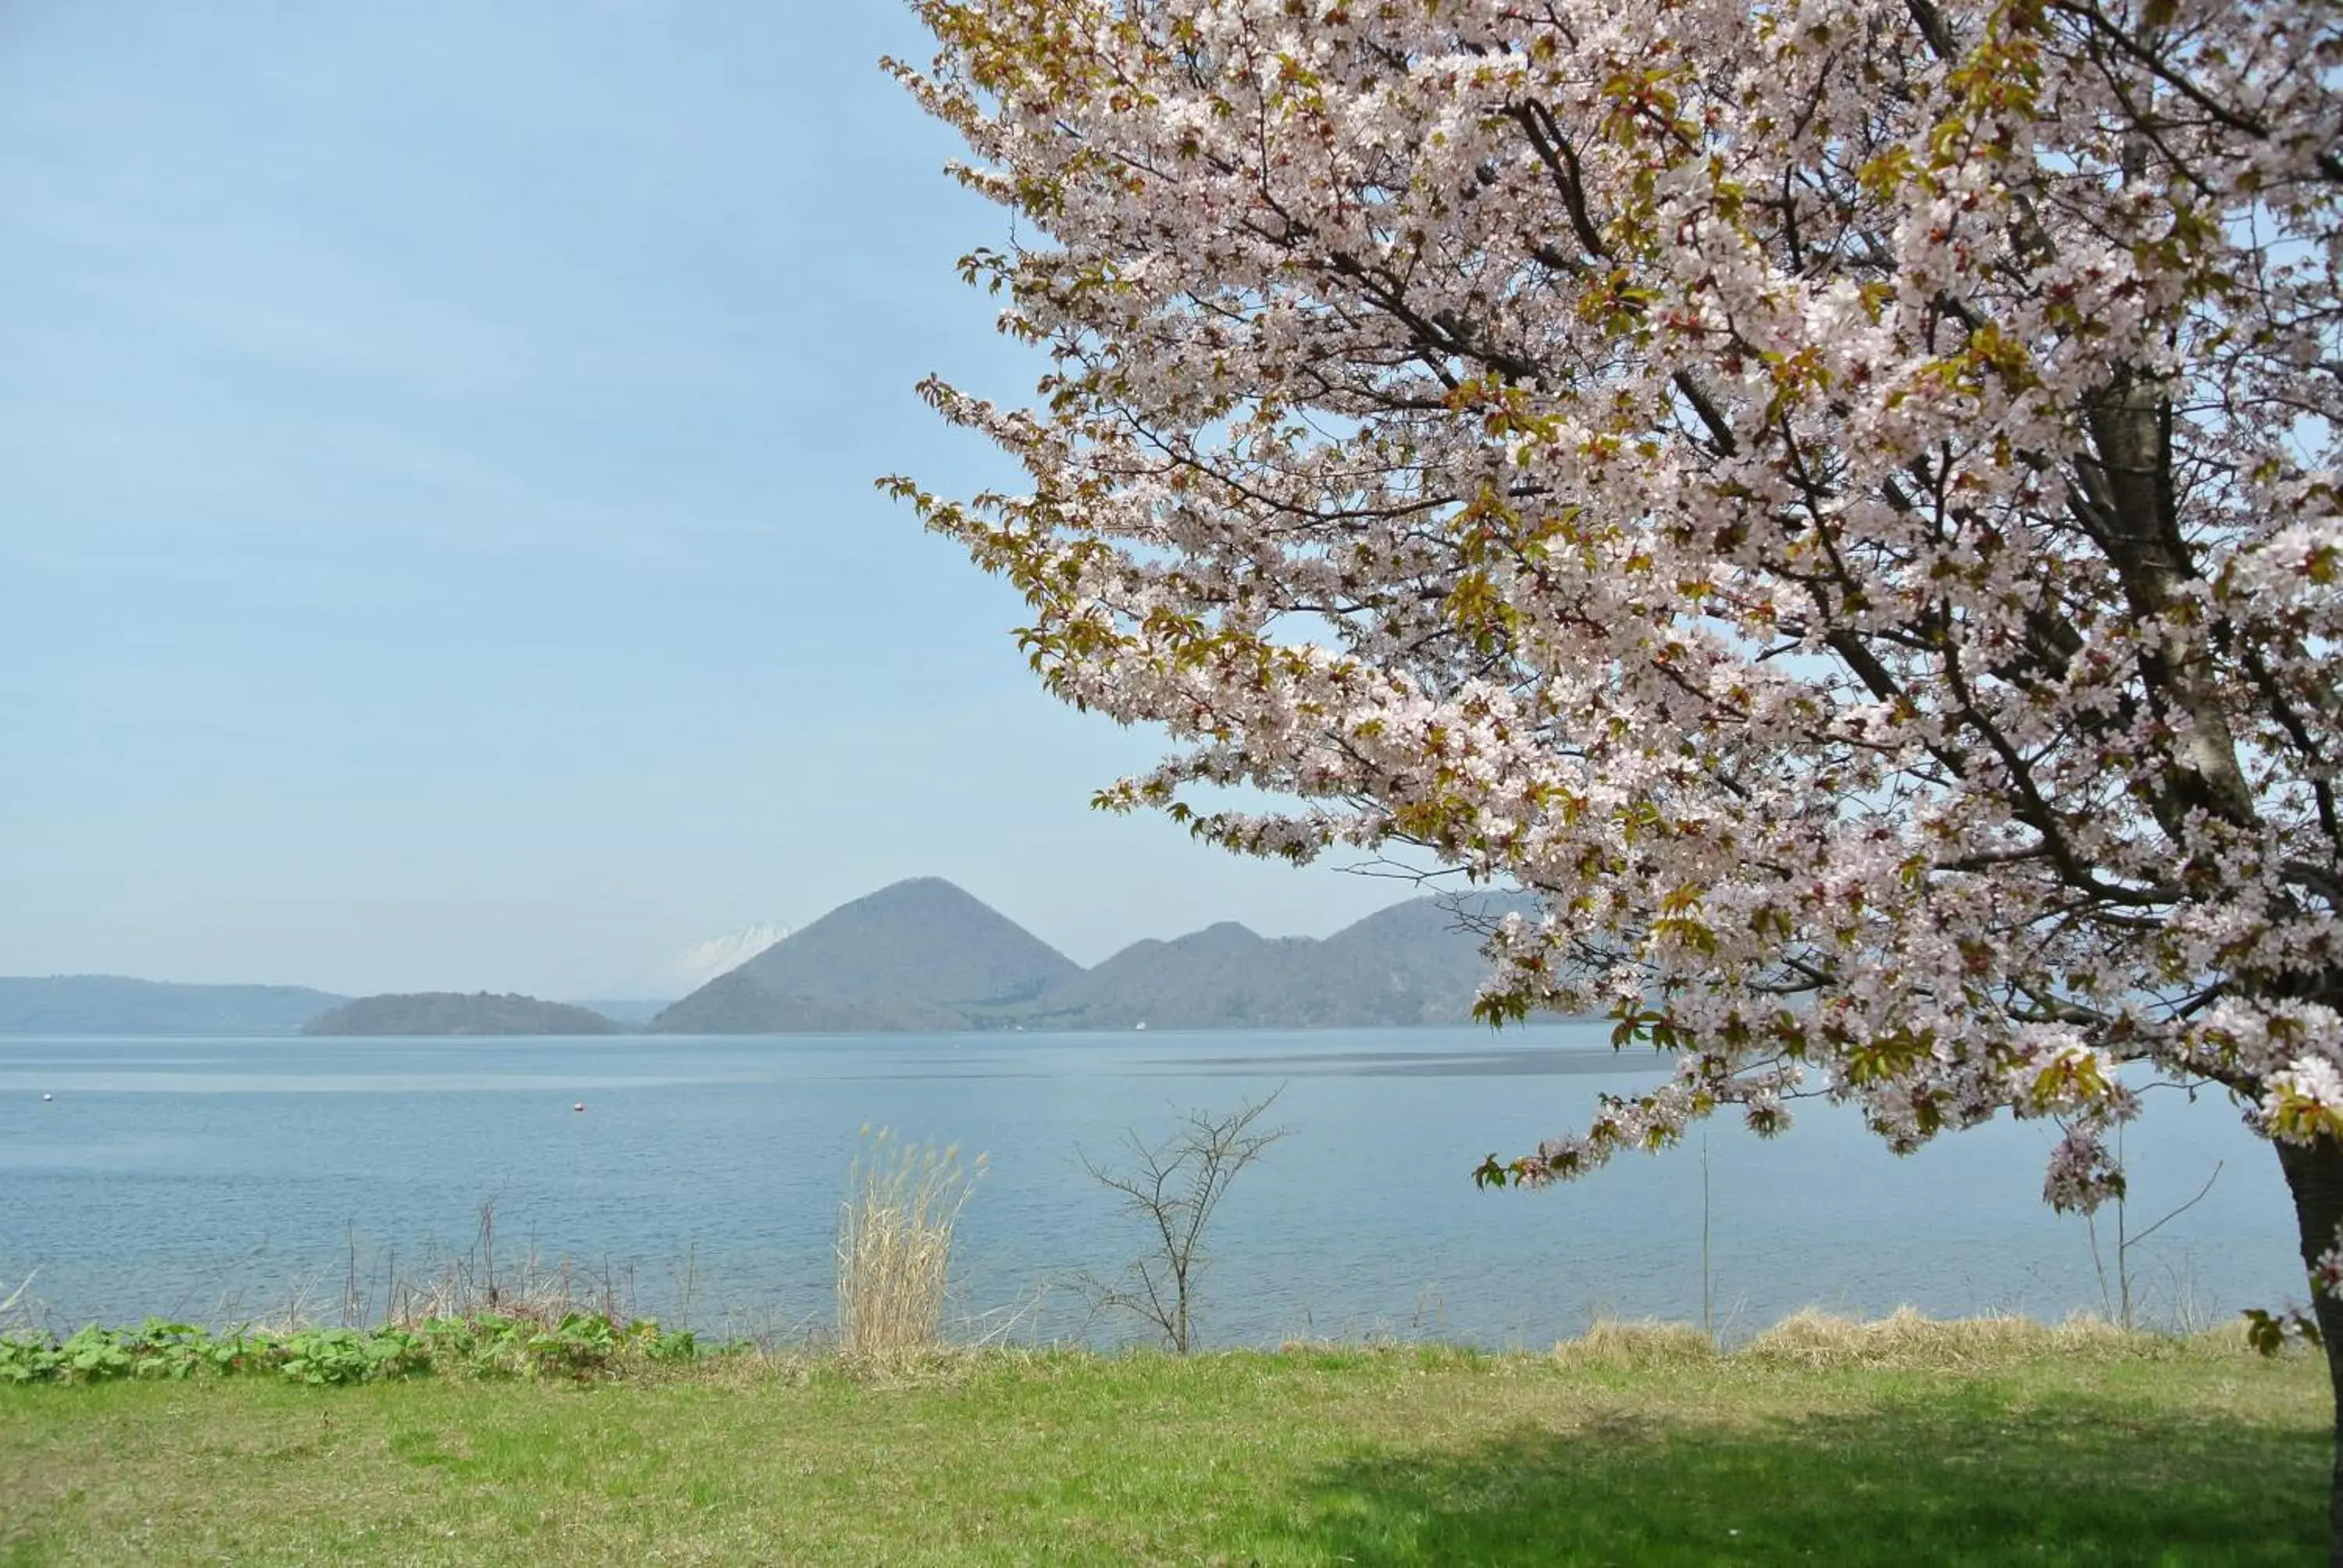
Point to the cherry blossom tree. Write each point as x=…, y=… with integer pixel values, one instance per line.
x=1837, y=498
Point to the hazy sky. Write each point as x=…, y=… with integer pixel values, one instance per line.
x=438, y=545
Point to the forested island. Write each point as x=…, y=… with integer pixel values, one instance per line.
x=453, y=1012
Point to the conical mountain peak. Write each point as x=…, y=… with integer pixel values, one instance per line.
x=916, y=954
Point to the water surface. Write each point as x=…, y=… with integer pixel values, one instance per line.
x=223, y=1179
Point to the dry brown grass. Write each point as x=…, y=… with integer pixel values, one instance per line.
x=894, y=1243
x=1817, y=1341
x=1622, y=1343
x=482, y=1283
x=537, y=1291
x=1812, y=1340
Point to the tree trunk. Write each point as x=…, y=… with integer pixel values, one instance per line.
x=2314, y=1173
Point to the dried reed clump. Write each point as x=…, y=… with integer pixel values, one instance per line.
x=16, y=1309
x=1817, y=1341
x=535, y=1292
x=1812, y=1340
x=478, y=1283
x=1622, y=1343
x=894, y=1243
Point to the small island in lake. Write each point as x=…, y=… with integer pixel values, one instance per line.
x=452, y=1012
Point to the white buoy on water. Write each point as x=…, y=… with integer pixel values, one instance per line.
x=46, y=1098
x=579, y=1106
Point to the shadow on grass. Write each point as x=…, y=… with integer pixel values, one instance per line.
x=1961, y=1480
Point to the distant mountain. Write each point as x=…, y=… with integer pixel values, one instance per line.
x=1412, y=963
x=1222, y=976
x=925, y=955
x=921, y=955
x=918, y=955
x=110, y=1004
x=721, y=955
x=451, y=1012
x=1422, y=955
x=626, y=1011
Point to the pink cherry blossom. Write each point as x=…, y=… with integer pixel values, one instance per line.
x=1836, y=499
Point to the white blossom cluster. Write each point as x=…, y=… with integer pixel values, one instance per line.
x=1837, y=498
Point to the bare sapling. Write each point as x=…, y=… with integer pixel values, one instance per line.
x=1173, y=1187
x=2117, y=1297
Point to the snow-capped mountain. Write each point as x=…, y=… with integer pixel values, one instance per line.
x=729, y=952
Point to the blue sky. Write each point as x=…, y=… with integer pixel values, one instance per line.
x=438, y=545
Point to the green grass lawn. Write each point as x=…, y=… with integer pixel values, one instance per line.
x=2006, y=1447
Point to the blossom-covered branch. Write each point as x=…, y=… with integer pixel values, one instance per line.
x=1836, y=499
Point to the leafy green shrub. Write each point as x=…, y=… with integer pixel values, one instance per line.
x=323, y=1356
x=580, y=1345
x=577, y=1346
x=24, y=1359
x=166, y=1349
x=95, y=1355
x=660, y=1345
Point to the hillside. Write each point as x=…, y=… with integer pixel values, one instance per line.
x=451, y=1012
x=627, y=1011
x=1223, y=977
x=917, y=955
x=925, y=956
x=110, y=1004
x=1409, y=964
x=1420, y=961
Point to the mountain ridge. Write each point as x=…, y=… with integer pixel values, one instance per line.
x=924, y=955
x=921, y=955
x=119, y=1004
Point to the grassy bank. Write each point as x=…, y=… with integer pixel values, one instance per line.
x=1977, y=1443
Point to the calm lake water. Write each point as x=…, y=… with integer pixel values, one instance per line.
x=219, y=1179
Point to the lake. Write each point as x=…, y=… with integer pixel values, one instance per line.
x=223, y=1179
